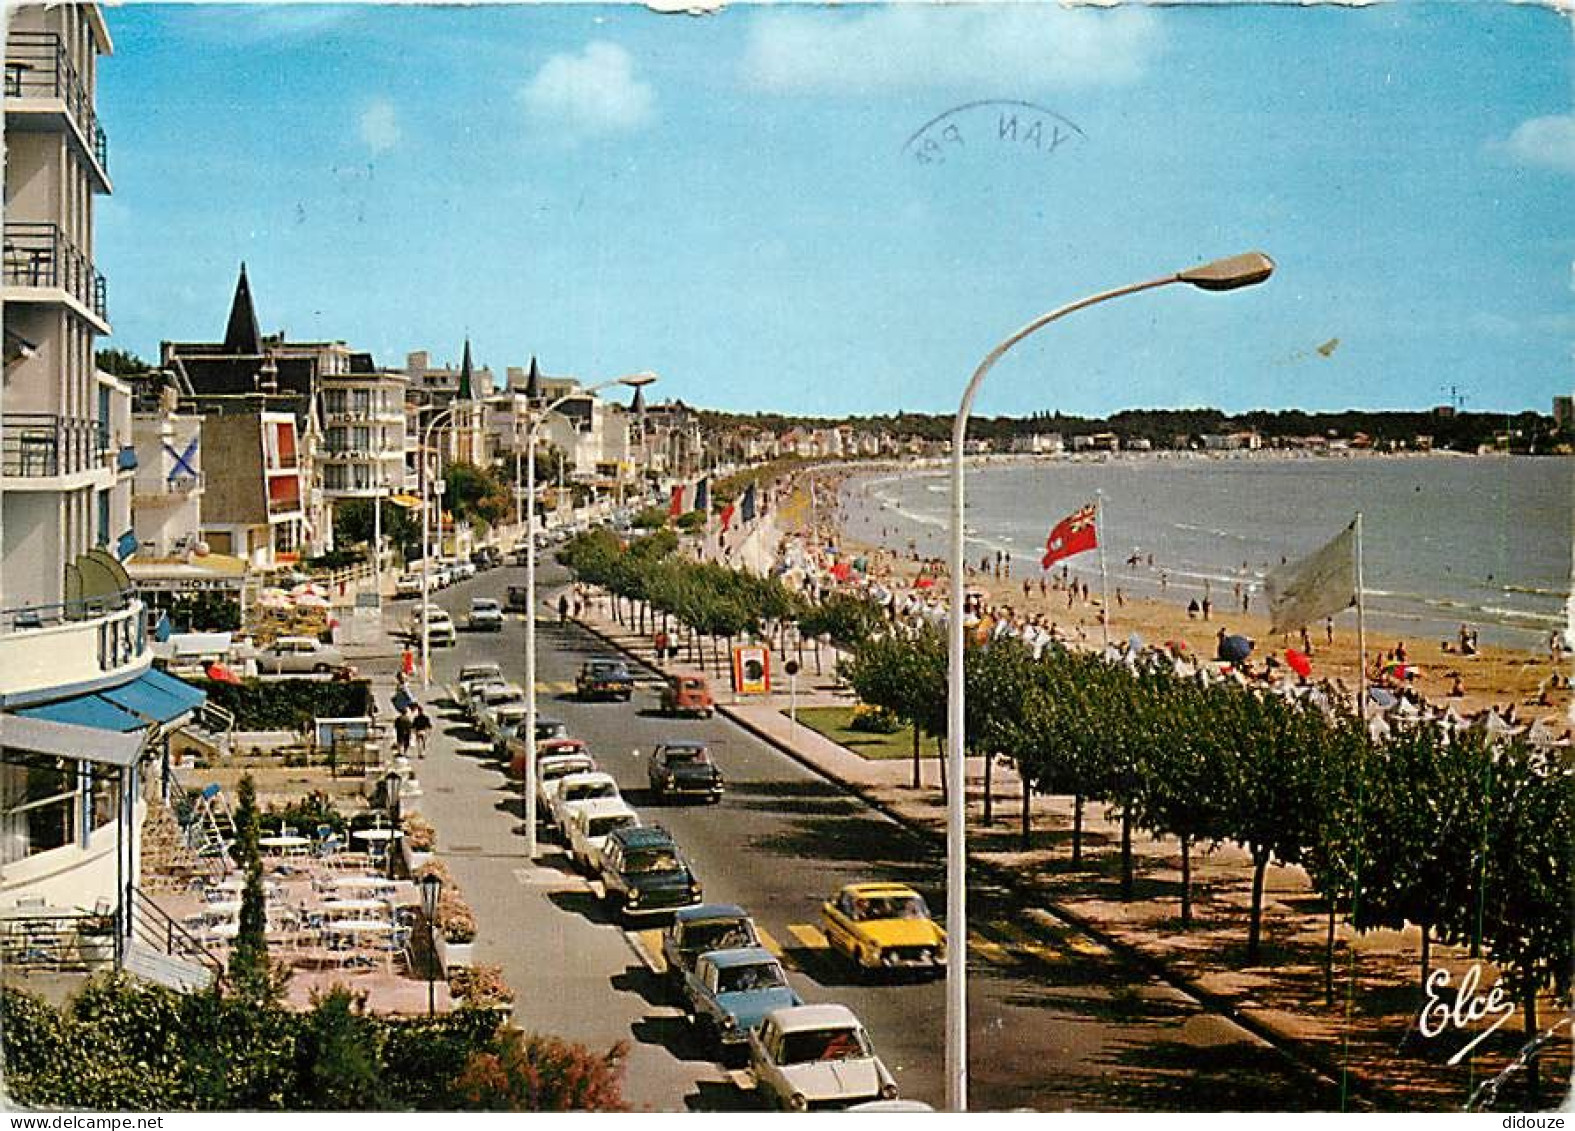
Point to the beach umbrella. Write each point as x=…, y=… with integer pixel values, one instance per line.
x=1134, y=642
x=842, y=571
x=1234, y=649
x=1384, y=699
x=274, y=599
x=311, y=601
x=221, y=674
x=1299, y=663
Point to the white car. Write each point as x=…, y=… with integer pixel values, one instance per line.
x=440, y=626
x=553, y=768
x=575, y=790
x=298, y=654
x=460, y=570
x=470, y=676
x=491, y=696
x=486, y=615
x=498, y=722
x=816, y=1056
x=591, y=824
x=408, y=585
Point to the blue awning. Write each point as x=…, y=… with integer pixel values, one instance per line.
x=152, y=699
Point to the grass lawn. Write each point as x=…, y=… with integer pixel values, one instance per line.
x=832, y=722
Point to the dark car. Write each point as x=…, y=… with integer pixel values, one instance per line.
x=684, y=769
x=644, y=872
x=519, y=598
x=604, y=679
x=696, y=930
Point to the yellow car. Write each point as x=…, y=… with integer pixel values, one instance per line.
x=884, y=927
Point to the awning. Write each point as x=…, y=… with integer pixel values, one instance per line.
x=152, y=699
x=83, y=744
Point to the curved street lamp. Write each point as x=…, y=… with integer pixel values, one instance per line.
x=426, y=547
x=633, y=381
x=1221, y=275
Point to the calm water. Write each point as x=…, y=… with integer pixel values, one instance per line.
x=1446, y=540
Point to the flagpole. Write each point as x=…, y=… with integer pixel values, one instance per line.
x=1104, y=574
x=1361, y=629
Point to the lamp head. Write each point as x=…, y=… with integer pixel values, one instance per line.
x=431, y=884
x=1245, y=270
x=635, y=380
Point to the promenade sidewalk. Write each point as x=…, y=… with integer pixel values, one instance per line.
x=1364, y=1037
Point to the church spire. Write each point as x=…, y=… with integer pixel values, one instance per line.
x=466, y=392
x=533, y=381
x=241, y=336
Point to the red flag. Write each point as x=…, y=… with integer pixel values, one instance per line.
x=727, y=516
x=1072, y=535
x=676, y=508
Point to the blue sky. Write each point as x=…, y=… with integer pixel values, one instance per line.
x=738, y=201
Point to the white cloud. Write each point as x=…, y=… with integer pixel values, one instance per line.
x=379, y=126
x=1024, y=47
x=594, y=92
x=1547, y=142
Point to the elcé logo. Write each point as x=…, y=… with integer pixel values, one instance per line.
x=1467, y=1008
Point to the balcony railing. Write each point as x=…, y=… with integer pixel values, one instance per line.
x=37, y=65
x=40, y=255
x=38, y=445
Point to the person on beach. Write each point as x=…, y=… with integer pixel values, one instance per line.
x=1328, y=630
x=1307, y=648
x=1206, y=606
x=1192, y=609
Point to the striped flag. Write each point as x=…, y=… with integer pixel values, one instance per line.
x=683, y=500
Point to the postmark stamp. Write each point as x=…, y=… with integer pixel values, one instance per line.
x=1003, y=126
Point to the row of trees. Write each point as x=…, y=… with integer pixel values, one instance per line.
x=1469, y=838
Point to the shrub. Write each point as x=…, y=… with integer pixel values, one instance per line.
x=305, y=814
x=482, y=987
x=419, y=833
x=455, y=920
x=537, y=1073
x=289, y=704
x=874, y=720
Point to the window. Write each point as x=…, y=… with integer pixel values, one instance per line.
x=38, y=804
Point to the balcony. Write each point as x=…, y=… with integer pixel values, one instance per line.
x=70, y=644
x=164, y=491
x=37, y=445
x=37, y=65
x=40, y=255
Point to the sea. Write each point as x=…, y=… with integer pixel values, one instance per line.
x=1447, y=540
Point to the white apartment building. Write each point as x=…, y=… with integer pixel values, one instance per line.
x=363, y=450
x=81, y=711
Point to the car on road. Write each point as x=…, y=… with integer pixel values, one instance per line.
x=591, y=825
x=687, y=693
x=884, y=927
x=695, y=930
x=604, y=679
x=497, y=723
x=488, y=557
x=552, y=765
x=516, y=747
x=519, y=598
x=407, y=585
x=440, y=626
x=729, y=992
x=295, y=655
x=459, y=570
x=485, y=615
x=573, y=790
x=684, y=769
x=472, y=677
x=644, y=872
x=490, y=696
x=816, y=1057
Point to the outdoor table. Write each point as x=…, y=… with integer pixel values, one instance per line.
x=375, y=884
x=353, y=906
x=226, y=930
x=223, y=909
x=284, y=845
x=376, y=835
x=361, y=927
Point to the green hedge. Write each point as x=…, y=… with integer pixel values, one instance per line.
x=121, y=1045
x=289, y=704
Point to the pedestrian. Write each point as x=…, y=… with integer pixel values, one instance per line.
x=1192, y=609
x=1328, y=630
x=407, y=663
x=421, y=730
x=1307, y=648
x=563, y=607
x=402, y=732
x=1207, y=605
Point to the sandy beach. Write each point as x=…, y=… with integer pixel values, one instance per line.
x=1492, y=678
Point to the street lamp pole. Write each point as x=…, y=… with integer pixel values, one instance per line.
x=634, y=381
x=426, y=545
x=1220, y=275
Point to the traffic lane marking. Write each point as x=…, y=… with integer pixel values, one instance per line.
x=809, y=937
x=769, y=941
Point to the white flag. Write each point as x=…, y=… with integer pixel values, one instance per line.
x=1320, y=585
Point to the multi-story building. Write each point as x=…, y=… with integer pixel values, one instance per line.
x=254, y=504
x=80, y=708
x=363, y=450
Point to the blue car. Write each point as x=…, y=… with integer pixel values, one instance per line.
x=729, y=992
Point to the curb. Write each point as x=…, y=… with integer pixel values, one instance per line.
x=1292, y=1048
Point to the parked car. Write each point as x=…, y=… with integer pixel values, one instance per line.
x=488, y=557
x=470, y=685
x=485, y=615
x=516, y=746
x=407, y=585
x=644, y=872
x=684, y=769
x=460, y=570
x=729, y=992
x=490, y=696
x=297, y=654
x=884, y=927
x=687, y=694
x=551, y=767
x=498, y=722
x=816, y=1057
x=695, y=930
x=591, y=825
x=574, y=790
x=431, y=613
x=604, y=679
x=519, y=598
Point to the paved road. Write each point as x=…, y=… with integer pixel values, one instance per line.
x=1056, y=1022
